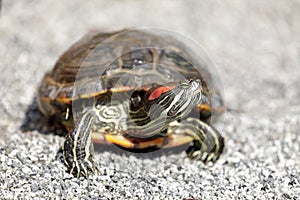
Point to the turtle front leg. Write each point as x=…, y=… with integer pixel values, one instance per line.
x=78, y=148
x=207, y=145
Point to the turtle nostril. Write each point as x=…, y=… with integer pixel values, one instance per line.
x=194, y=84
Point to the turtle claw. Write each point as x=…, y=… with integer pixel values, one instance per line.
x=83, y=167
x=199, y=152
x=212, y=157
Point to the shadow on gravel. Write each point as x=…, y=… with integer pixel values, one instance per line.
x=36, y=121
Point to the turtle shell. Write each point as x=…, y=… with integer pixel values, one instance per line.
x=117, y=62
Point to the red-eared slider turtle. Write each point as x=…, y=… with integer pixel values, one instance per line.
x=134, y=89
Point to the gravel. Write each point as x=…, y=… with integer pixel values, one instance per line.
x=256, y=48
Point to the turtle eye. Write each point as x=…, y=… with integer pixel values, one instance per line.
x=185, y=84
x=159, y=91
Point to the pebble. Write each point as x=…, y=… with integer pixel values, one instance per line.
x=34, y=187
x=26, y=170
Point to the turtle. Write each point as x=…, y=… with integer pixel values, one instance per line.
x=136, y=89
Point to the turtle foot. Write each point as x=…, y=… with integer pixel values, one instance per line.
x=205, y=153
x=83, y=167
x=79, y=163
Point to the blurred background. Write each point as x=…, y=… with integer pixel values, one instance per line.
x=254, y=44
x=245, y=39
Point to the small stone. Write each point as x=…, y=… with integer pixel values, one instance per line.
x=9, y=162
x=26, y=170
x=3, y=158
x=19, y=156
x=13, y=153
x=34, y=187
x=33, y=158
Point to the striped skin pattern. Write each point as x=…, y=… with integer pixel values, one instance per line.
x=171, y=110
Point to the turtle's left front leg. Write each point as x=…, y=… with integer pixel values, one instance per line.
x=207, y=145
x=78, y=147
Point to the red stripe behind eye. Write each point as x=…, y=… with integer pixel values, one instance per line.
x=159, y=91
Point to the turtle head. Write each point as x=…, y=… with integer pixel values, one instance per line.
x=174, y=100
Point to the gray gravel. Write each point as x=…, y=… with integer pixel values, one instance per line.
x=255, y=45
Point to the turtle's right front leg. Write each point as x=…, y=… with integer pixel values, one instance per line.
x=208, y=143
x=78, y=148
